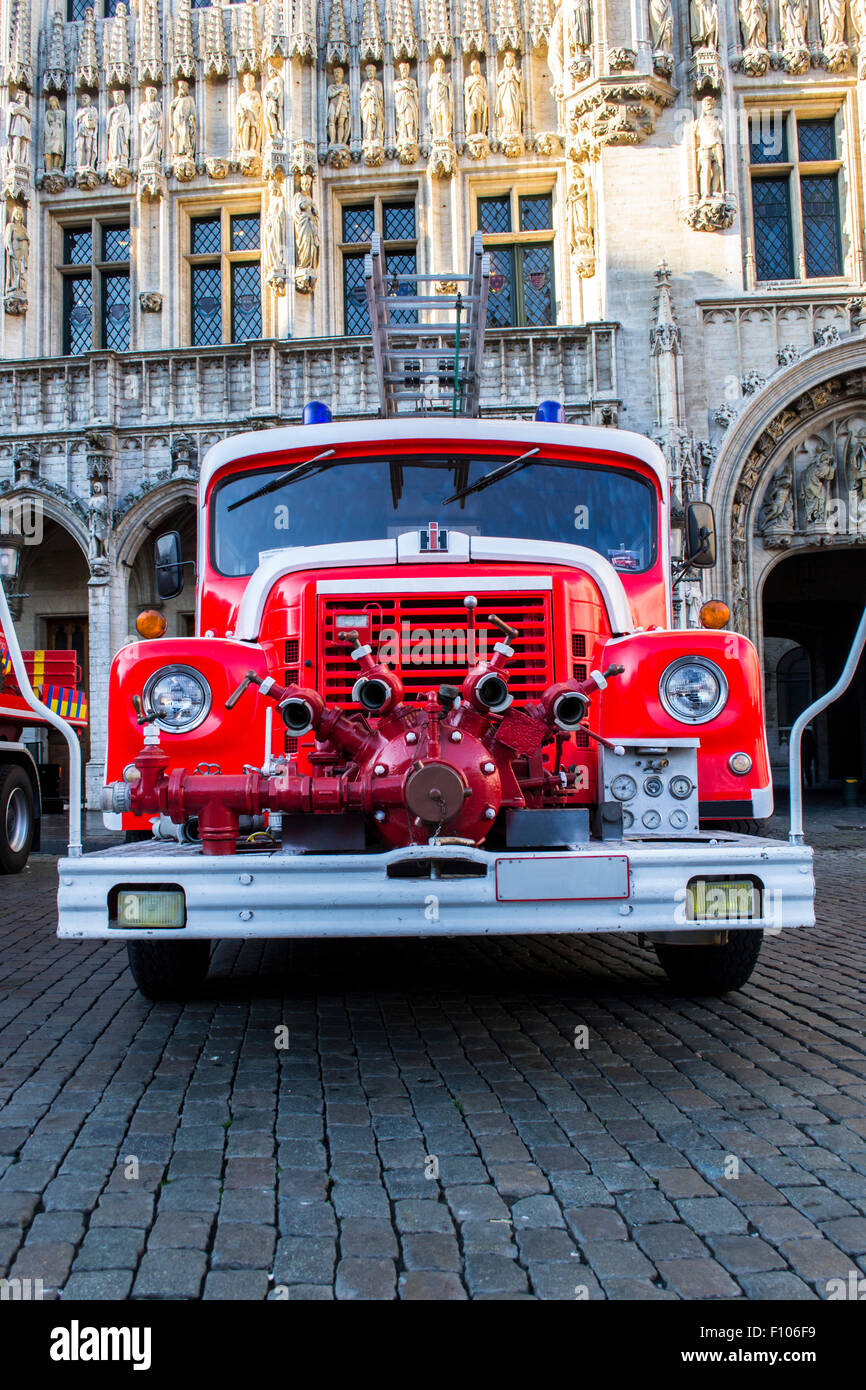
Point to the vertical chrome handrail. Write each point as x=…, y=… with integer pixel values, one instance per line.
x=57, y=721
x=795, y=776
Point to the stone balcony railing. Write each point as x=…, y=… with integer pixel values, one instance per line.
x=269, y=381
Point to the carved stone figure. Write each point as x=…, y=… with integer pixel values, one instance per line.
x=440, y=100
x=704, y=23
x=86, y=137
x=16, y=241
x=19, y=129
x=476, y=100
x=275, y=243
x=372, y=111
x=832, y=17
x=661, y=20
x=100, y=529
x=339, y=116
x=815, y=487
x=581, y=35
x=249, y=117
x=777, y=514
x=753, y=23
x=119, y=128
x=150, y=128
x=274, y=99
x=509, y=105
x=793, y=16
x=710, y=151
x=54, y=135
x=580, y=234
x=406, y=107
x=182, y=123
x=305, y=216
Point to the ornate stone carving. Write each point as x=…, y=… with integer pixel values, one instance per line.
x=87, y=62
x=216, y=168
x=854, y=305
x=337, y=46
x=19, y=68
x=753, y=27
x=247, y=43
x=274, y=109
x=476, y=111
x=581, y=241
x=473, y=32
x=339, y=119
x=305, y=216
x=776, y=518
x=54, y=137
x=302, y=35
x=440, y=105
x=216, y=58
x=787, y=355
x=714, y=210
x=16, y=243
x=183, y=59
x=151, y=183
x=54, y=79
x=99, y=517
x=119, y=57
x=249, y=127
x=149, y=49
x=119, y=136
x=752, y=382
x=404, y=40
x=510, y=106
x=619, y=59
x=724, y=414
x=275, y=41
x=826, y=334
x=793, y=17
x=857, y=11
x=275, y=243
x=704, y=31
x=182, y=125
x=541, y=14
x=19, y=130
x=150, y=302
x=407, y=115
x=371, y=47
x=438, y=34
x=614, y=111
x=508, y=28
x=661, y=20
x=548, y=143
x=372, y=117
x=815, y=484
x=86, y=141
x=832, y=18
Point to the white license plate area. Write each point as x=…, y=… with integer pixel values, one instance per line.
x=560, y=878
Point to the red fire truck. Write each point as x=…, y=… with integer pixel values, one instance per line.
x=435, y=690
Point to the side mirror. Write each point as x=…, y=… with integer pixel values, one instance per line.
x=699, y=538
x=169, y=565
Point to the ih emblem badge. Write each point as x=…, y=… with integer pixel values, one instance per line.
x=433, y=537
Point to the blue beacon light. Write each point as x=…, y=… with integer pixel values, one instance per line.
x=316, y=413
x=551, y=413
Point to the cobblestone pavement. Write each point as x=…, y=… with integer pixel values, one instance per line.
x=431, y=1131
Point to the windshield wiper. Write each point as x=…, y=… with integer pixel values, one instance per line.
x=301, y=470
x=503, y=471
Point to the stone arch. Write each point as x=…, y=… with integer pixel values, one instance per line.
x=144, y=516
x=53, y=509
x=806, y=402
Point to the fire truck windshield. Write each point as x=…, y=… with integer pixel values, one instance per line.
x=611, y=511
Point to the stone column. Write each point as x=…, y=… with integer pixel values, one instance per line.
x=99, y=624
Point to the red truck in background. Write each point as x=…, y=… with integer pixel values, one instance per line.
x=56, y=679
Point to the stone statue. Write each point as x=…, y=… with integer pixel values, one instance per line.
x=150, y=128
x=858, y=17
x=274, y=104
x=249, y=117
x=476, y=100
x=710, y=152
x=86, y=134
x=305, y=216
x=661, y=25
x=832, y=15
x=275, y=233
x=16, y=240
x=704, y=23
x=372, y=108
x=339, y=117
x=100, y=527
x=793, y=16
x=440, y=100
x=579, y=213
x=182, y=123
x=753, y=23
x=778, y=510
x=119, y=122
x=509, y=103
x=406, y=107
x=19, y=127
x=54, y=136
x=815, y=487
x=855, y=468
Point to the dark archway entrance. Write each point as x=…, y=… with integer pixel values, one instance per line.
x=812, y=604
x=179, y=612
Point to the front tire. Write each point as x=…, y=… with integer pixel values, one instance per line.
x=168, y=969
x=17, y=819
x=712, y=970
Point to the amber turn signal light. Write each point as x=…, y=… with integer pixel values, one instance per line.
x=150, y=623
x=715, y=613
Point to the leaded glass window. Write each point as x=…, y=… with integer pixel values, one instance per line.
x=819, y=199
x=96, y=297
x=771, y=203
x=246, y=301
x=115, y=312
x=77, y=314
x=245, y=232
x=225, y=278
x=796, y=210
x=395, y=221
x=518, y=234
x=206, y=236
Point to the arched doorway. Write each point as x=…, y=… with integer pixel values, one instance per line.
x=179, y=612
x=812, y=602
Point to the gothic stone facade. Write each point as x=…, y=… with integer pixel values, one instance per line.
x=671, y=191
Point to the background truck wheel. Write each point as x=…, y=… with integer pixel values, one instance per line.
x=16, y=819
x=712, y=969
x=168, y=969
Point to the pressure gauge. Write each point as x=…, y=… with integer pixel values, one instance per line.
x=679, y=818
x=653, y=786
x=623, y=787
x=681, y=787
x=652, y=820
x=627, y=820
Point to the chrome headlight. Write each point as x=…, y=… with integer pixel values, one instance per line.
x=178, y=698
x=693, y=690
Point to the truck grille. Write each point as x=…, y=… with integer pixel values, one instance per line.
x=426, y=641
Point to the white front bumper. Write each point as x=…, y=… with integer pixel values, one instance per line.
x=318, y=895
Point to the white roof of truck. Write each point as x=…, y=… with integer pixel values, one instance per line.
x=260, y=443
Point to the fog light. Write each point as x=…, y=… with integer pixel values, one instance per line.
x=722, y=900
x=740, y=763
x=150, y=624
x=715, y=614
x=151, y=907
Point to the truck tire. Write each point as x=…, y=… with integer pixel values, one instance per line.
x=17, y=819
x=712, y=970
x=168, y=969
